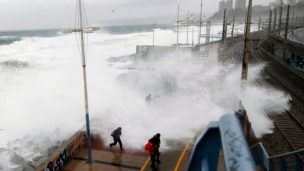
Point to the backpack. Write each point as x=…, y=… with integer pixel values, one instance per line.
x=148, y=146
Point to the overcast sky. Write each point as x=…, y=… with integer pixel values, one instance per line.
x=34, y=14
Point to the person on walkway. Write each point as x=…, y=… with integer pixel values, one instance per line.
x=116, y=137
x=154, y=151
x=149, y=98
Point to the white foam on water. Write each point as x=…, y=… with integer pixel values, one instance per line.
x=43, y=102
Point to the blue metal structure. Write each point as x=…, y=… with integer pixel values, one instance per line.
x=225, y=135
x=279, y=162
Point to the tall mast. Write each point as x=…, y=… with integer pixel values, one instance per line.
x=88, y=134
x=269, y=24
x=200, y=24
x=188, y=15
x=177, y=26
x=280, y=17
x=224, y=27
x=153, y=32
x=192, y=35
x=293, y=23
x=275, y=19
x=232, y=29
x=260, y=22
x=287, y=23
x=246, y=45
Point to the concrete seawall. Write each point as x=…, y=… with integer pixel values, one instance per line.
x=147, y=52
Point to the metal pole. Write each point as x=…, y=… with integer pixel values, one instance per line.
x=293, y=22
x=224, y=27
x=246, y=45
x=192, y=35
x=200, y=26
x=212, y=38
x=260, y=21
x=280, y=17
x=287, y=23
x=177, y=44
x=153, y=33
x=187, y=28
x=232, y=30
x=275, y=20
x=269, y=24
x=88, y=134
x=208, y=28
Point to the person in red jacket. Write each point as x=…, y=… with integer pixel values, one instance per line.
x=154, y=150
x=116, y=137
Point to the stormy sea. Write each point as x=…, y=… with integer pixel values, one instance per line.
x=42, y=99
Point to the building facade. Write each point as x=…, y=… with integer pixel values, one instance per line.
x=291, y=2
x=300, y=1
x=222, y=5
x=228, y=4
x=240, y=4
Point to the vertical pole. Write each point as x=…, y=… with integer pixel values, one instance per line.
x=275, y=19
x=293, y=23
x=224, y=27
x=208, y=28
x=280, y=17
x=153, y=33
x=287, y=23
x=232, y=29
x=88, y=134
x=200, y=24
x=246, y=45
x=269, y=24
x=212, y=38
x=177, y=44
x=188, y=27
x=260, y=21
x=192, y=35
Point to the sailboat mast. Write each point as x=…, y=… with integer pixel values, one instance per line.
x=177, y=27
x=200, y=24
x=88, y=134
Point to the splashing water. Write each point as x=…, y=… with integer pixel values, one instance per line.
x=43, y=102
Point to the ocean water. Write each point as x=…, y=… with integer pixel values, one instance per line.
x=42, y=90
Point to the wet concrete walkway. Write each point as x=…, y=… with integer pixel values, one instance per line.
x=115, y=160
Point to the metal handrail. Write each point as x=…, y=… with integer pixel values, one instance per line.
x=298, y=73
x=261, y=156
x=287, y=154
x=268, y=162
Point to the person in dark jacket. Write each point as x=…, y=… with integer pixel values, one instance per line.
x=116, y=137
x=154, y=152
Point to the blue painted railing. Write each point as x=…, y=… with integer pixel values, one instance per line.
x=226, y=135
x=279, y=162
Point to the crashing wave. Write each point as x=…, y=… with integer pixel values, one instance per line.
x=14, y=64
x=5, y=40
